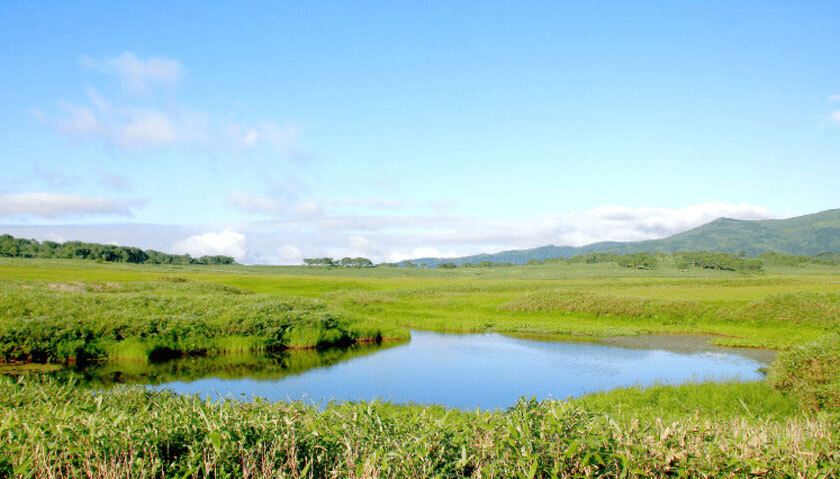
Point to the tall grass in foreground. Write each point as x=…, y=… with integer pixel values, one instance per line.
x=53, y=429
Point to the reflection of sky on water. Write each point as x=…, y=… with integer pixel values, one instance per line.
x=487, y=370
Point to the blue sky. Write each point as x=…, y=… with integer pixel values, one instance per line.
x=273, y=131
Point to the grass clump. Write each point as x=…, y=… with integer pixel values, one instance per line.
x=811, y=373
x=154, y=320
x=709, y=400
x=807, y=307
x=602, y=304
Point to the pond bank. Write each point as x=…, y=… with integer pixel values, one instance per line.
x=687, y=344
x=486, y=370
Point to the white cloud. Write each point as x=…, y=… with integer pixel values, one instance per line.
x=622, y=223
x=289, y=255
x=273, y=206
x=136, y=75
x=250, y=138
x=286, y=239
x=425, y=252
x=255, y=204
x=833, y=98
x=114, y=181
x=268, y=134
x=374, y=203
x=147, y=128
x=280, y=138
x=226, y=242
x=123, y=126
x=148, y=121
x=79, y=121
x=132, y=127
x=307, y=209
x=53, y=205
x=835, y=117
x=359, y=242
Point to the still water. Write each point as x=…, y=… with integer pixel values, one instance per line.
x=465, y=371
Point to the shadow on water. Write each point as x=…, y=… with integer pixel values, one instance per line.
x=261, y=367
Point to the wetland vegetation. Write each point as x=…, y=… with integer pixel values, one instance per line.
x=55, y=311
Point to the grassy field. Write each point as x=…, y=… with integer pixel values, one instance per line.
x=775, y=309
x=56, y=310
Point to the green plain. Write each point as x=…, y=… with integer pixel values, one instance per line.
x=786, y=426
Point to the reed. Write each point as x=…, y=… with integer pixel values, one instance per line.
x=55, y=429
x=80, y=321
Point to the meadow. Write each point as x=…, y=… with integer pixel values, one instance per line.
x=54, y=311
x=186, y=309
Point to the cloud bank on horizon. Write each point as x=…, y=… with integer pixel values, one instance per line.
x=339, y=131
x=394, y=237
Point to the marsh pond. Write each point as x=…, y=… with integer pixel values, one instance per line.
x=466, y=371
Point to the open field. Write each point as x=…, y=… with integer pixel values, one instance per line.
x=776, y=309
x=54, y=310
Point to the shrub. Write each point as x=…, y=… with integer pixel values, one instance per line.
x=810, y=373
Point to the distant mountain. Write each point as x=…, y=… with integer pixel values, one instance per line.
x=802, y=235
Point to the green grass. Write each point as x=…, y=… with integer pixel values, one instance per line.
x=53, y=310
x=811, y=373
x=711, y=401
x=74, y=321
x=55, y=429
x=774, y=309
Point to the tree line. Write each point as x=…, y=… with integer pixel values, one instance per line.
x=346, y=262
x=29, y=248
x=682, y=260
x=720, y=261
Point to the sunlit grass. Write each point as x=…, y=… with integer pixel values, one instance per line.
x=475, y=299
x=55, y=429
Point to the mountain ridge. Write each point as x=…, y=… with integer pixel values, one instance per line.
x=809, y=234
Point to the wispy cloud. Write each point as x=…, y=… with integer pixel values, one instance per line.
x=54, y=179
x=53, y=205
x=137, y=75
x=256, y=204
x=226, y=242
x=285, y=199
x=146, y=122
x=79, y=121
x=273, y=205
x=834, y=117
x=114, y=181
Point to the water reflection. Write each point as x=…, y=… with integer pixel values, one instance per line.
x=261, y=367
x=465, y=371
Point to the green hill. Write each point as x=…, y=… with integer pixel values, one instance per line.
x=801, y=235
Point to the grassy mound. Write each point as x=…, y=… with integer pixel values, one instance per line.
x=810, y=373
x=53, y=322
